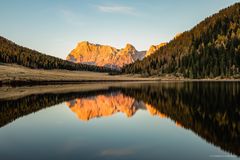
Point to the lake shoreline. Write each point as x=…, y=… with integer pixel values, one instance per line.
x=15, y=92
x=16, y=75
x=64, y=82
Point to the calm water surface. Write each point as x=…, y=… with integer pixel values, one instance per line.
x=132, y=121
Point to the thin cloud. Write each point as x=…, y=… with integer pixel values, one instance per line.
x=116, y=9
x=70, y=17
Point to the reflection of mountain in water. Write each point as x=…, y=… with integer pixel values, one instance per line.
x=210, y=110
x=11, y=109
x=103, y=105
x=107, y=105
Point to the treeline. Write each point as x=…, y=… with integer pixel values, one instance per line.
x=210, y=49
x=16, y=108
x=13, y=53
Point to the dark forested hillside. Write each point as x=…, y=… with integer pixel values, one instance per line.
x=210, y=49
x=13, y=53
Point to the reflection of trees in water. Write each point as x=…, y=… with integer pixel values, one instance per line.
x=13, y=109
x=212, y=110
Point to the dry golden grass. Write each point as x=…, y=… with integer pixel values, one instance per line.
x=16, y=73
x=12, y=72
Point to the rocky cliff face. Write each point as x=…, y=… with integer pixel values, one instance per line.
x=104, y=55
x=107, y=56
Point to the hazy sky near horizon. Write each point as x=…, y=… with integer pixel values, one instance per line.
x=55, y=26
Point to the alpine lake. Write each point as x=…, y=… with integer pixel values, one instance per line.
x=142, y=120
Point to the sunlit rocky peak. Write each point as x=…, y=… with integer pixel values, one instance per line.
x=108, y=56
x=104, y=55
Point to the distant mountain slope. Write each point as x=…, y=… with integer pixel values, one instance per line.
x=104, y=55
x=154, y=48
x=210, y=49
x=13, y=53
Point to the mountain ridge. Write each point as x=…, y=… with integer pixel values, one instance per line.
x=104, y=55
x=108, y=56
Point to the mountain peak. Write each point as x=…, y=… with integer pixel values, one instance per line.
x=129, y=46
x=83, y=43
x=104, y=55
x=129, y=49
x=108, y=56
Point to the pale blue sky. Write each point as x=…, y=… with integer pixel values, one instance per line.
x=55, y=26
